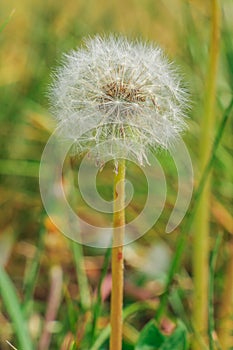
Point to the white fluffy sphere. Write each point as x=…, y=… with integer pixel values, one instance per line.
x=118, y=97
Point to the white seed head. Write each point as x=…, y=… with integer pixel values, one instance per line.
x=118, y=97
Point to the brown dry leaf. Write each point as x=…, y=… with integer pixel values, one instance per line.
x=67, y=342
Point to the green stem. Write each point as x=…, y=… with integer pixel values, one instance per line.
x=185, y=229
x=85, y=299
x=201, y=237
x=13, y=307
x=97, y=306
x=213, y=259
x=117, y=258
x=32, y=273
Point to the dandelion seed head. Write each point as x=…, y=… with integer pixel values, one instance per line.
x=118, y=97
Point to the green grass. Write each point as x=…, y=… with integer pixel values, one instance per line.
x=32, y=43
x=14, y=309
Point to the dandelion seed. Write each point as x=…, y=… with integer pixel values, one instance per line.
x=119, y=98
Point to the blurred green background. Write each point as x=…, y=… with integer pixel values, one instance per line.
x=32, y=42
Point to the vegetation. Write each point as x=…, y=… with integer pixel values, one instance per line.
x=54, y=293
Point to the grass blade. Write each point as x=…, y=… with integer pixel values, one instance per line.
x=185, y=229
x=3, y=25
x=213, y=259
x=32, y=273
x=85, y=298
x=12, y=305
x=19, y=167
x=97, y=306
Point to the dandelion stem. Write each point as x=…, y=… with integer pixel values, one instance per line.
x=201, y=237
x=117, y=258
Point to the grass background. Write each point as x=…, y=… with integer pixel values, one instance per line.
x=33, y=253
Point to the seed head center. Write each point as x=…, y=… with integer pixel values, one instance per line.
x=123, y=92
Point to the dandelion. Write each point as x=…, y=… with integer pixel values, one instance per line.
x=117, y=99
